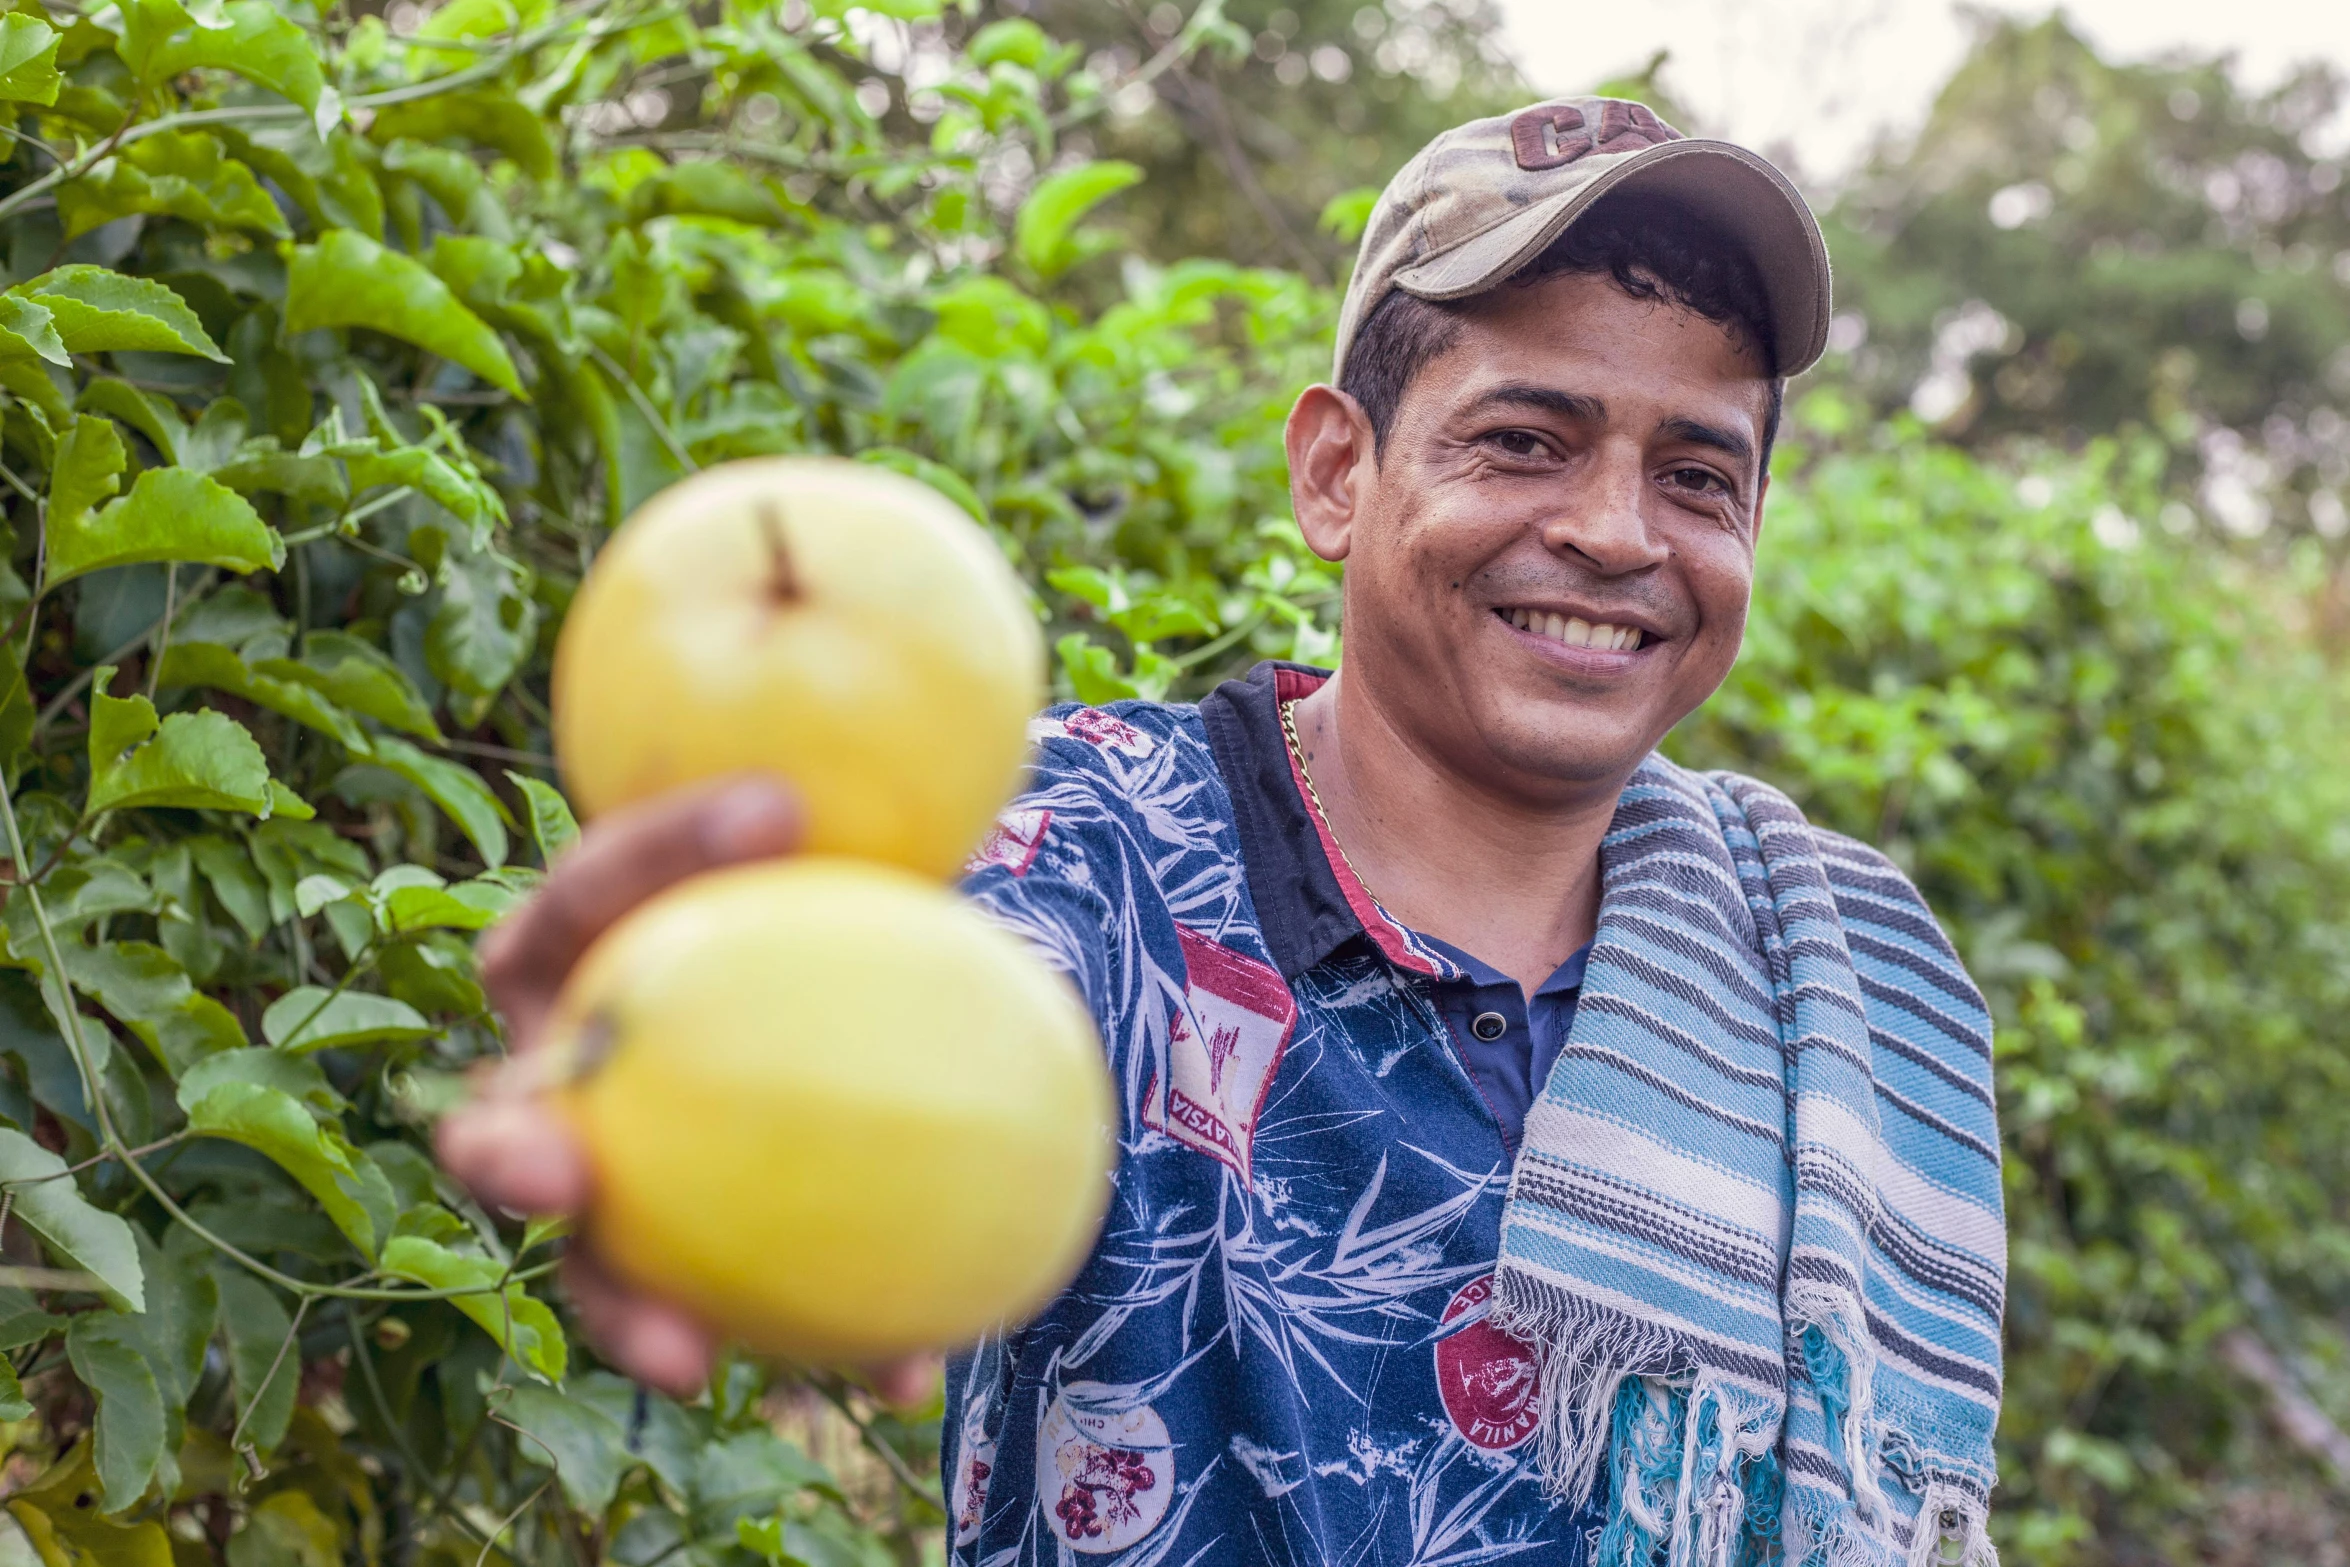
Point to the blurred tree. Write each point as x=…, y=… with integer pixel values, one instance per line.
x=1247, y=144
x=2071, y=247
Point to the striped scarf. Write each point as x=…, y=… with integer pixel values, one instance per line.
x=1755, y=1230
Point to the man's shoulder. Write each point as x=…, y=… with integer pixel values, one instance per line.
x=1096, y=770
x=1078, y=735
x=1869, y=887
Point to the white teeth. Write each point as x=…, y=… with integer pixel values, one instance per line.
x=1574, y=631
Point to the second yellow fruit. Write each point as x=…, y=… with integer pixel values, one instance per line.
x=837, y=623
x=833, y=1110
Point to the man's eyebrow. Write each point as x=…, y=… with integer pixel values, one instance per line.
x=1546, y=399
x=1698, y=433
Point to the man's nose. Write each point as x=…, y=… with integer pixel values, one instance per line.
x=1603, y=518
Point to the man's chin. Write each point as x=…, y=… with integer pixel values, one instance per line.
x=1572, y=750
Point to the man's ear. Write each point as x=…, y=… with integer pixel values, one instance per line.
x=1333, y=461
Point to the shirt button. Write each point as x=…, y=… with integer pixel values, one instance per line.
x=1489, y=1026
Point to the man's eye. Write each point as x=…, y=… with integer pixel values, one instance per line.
x=1702, y=481
x=1519, y=443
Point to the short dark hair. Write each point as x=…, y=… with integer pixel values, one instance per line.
x=1652, y=247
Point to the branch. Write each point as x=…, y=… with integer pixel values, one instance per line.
x=2300, y=1420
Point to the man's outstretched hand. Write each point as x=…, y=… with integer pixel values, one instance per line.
x=510, y=1150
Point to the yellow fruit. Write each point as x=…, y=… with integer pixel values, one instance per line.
x=834, y=622
x=834, y=1110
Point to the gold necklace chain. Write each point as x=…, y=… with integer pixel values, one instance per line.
x=1297, y=750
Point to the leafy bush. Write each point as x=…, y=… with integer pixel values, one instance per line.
x=2109, y=761
x=329, y=356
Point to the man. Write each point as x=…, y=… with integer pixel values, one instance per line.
x=1529, y=1148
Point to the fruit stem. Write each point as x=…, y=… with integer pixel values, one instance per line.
x=783, y=582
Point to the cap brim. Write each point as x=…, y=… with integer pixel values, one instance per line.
x=1725, y=184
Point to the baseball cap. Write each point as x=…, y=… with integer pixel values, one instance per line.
x=1484, y=199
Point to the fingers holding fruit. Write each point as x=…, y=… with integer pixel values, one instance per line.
x=657, y=1343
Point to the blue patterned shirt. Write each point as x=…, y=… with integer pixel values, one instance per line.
x=1277, y=1352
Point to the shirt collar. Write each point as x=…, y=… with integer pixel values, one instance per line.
x=1309, y=904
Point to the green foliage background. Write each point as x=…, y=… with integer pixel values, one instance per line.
x=330, y=352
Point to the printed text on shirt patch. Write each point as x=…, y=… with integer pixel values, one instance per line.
x=1011, y=843
x=1491, y=1384
x=1224, y=1043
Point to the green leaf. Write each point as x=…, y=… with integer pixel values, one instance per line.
x=86, y=470
x=433, y=975
x=49, y=1201
x=485, y=627
x=262, y=464
x=523, y=1327
x=431, y=474
x=1014, y=39
x=1347, y=214
x=130, y=1426
x=28, y=329
x=13, y=1404
x=228, y=870
x=309, y=1017
x=456, y=789
x=287, y=1529
x=98, y=311
x=345, y=1181
x=347, y=279
x=210, y=664
x=66, y=1531
x=1045, y=230
x=28, y=61
x=258, y=44
x=749, y=1474
x=472, y=905
x=551, y=821
x=357, y=676
x=179, y=174
x=264, y=1366
x=150, y=994
x=152, y=416
x=16, y=722
x=203, y=761
x=297, y=1077
x=710, y=188
x=170, y=514
x=1093, y=670
x=182, y=1307
x=937, y=475
x=487, y=118
x=22, y=1322
x=585, y=1447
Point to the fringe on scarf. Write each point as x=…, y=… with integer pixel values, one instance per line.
x=1586, y=1352
x=1826, y=1321
x=1692, y=1460
x=1693, y=1464
x=1952, y=1530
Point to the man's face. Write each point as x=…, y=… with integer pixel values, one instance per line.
x=1549, y=565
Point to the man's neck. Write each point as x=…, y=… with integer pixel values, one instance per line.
x=1515, y=884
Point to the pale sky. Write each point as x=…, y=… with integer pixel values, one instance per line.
x=1827, y=76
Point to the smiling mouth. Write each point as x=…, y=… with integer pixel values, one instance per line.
x=1574, y=631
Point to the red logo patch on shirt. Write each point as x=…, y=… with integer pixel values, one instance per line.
x=1095, y=728
x=1225, y=1040
x=1012, y=843
x=1491, y=1383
